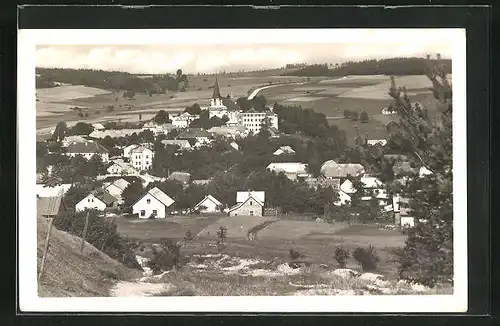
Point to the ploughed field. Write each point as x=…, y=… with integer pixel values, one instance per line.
x=354, y=93
x=54, y=104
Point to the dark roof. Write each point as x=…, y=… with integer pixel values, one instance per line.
x=49, y=206
x=216, y=93
x=192, y=133
x=104, y=196
x=88, y=147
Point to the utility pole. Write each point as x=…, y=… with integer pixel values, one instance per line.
x=84, y=231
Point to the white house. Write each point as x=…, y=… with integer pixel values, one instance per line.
x=373, y=142
x=424, y=172
x=229, y=131
x=115, y=133
x=183, y=120
x=241, y=196
x=87, y=150
x=198, y=136
x=333, y=170
x=141, y=158
x=98, y=126
x=373, y=186
x=248, y=203
x=153, y=204
x=388, y=111
x=292, y=170
x=182, y=143
x=98, y=200
x=253, y=120
x=73, y=139
x=344, y=199
x=209, y=204
x=284, y=150
x=116, y=188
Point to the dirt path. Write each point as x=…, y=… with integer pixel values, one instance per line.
x=138, y=289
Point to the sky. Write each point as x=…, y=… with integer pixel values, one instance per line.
x=212, y=57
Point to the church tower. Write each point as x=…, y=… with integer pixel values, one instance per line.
x=216, y=100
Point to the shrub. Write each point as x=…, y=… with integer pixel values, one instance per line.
x=364, y=117
x=367, y=257
x=295, y=254
x=188, y=237
x=341, y=255
x=347, y=114
x=166, y=257
x=221, y=235
x=354, y=115
x=101, y=233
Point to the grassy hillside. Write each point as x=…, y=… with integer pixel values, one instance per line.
x=68, y=272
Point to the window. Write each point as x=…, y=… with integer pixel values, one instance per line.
x=146, y=156
x=251, y=203
x=155, y=211
x=251, y=213
x=88, y=200
x=148, y=201
x=143, y=212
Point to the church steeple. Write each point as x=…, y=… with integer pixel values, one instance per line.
x=216, y=90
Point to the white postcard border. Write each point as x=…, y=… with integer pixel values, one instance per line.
x=27, y=233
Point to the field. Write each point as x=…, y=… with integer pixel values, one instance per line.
x=274, y=237
x=54, y=103
x=259, y=266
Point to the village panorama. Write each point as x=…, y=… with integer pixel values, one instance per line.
x=305, y=179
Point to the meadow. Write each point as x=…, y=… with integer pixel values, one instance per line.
x=272, y=242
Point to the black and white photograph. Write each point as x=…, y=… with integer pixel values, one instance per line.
x=243, y=170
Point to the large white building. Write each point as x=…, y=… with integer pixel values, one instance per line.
x=153, y=204
x=253, y=120
x=183, y=120
x=87, y=150
x=141, y=158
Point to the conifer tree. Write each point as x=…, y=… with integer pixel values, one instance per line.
x=426, y=139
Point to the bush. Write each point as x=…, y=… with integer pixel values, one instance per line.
x=347, y=114
x=367, y=257
x=341, y=255
x=221, y=235
x=166, y=257
x=101, y=233
x=295, y=254
x=188, y=237
x=354, y=115
x=364, y=117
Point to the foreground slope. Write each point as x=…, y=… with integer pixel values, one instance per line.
x=68, y=272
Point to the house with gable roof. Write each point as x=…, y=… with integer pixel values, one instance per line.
x=209, y=204
x=98, y=200
x=284, y=150
x=116, y=188
x=152, y=204
x=87, y=150
x=333, y=170
x=248, y=203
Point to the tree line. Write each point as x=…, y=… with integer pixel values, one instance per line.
x=112, y=80
x=393, y=66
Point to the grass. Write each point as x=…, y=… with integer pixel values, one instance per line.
x=297, y=229
x=69, y=273
x=312, y=280
x=237, y=226
x=172, y=227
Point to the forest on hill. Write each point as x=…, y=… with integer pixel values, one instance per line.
x=393, y=66
x=112, y=80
